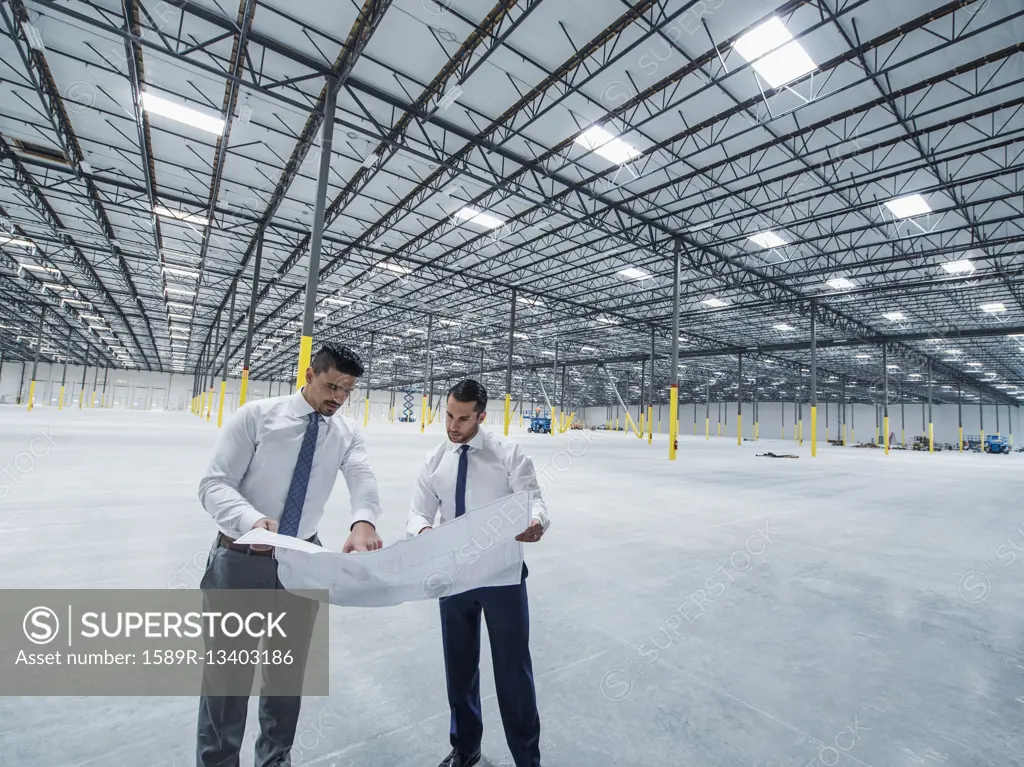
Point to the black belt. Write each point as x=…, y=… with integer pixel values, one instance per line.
x=229, y=543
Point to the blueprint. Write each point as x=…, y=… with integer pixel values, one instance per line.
x=475, y=550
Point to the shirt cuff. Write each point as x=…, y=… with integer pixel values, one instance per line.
x=364, y=515
x=247, y=519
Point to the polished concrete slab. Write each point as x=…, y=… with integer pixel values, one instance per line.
x=727, y=609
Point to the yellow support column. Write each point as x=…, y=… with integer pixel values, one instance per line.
x=305, y=355
x=673, y=421
x=931, y=439
x=220, y=404
x=739, y=429
x=60, y=404
x=554, y=419
x=961, y=439
x=244, y=387
x=814, y=431
x=886, y=427
x=93, y=398
x=209, y=403
x=650, y=425
x=423, y=414
x=31, y=394
x=81, y=398
x=366, y=413
x=707, y=428
x=508, y=411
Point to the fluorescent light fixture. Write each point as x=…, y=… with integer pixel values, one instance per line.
x=76, y=303
x=479, y=217
x=521, y=336
x=962, y=266
x=892, y=367
x=953, y=352
x=785, y=63
x=768, y=240
x=909, y=206
x=180, y=215
x=915, y=375
x=597, y=139
x=179, y=305
x=587, y=349
x=895, y=316
x=181, y=272
x=416, y=330
x=632, y=273
x=337, y=301
x=714, y=303
x=392, y=267
x=783, y=327
x=91, y=317
x=529, y=301
x=179, y=112
x=840, y=283
x=180, y=317
x=41, y=269
x=996, y=308
x=15, y=242
x=56, y=286
x=179, y=291
x=863, y=356
x=974, y=364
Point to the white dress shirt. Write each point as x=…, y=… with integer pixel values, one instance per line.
x=251, y=469
x=496, y=469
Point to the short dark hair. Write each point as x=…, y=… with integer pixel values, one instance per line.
x=470, y=391
x=340, y=358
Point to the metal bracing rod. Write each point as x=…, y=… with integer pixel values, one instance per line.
x=650, y=385
x=369, y=370
x=554, y=376
x=615, y=388
x=39, y=342
x=427, y=379
x=544, y=392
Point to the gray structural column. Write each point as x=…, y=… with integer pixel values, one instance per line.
x=369, y=374
x=885, y=395
x=85, y=368
x=673, y=430
x=650, y=382
x=227, y=337
x=316, y=235
x=931, y=434
x=507, y=416
x=814, y=379
x=251, y=324
x=103, y=392
x=960, y=412
x=35, y=357
x=64, y=370
x=427, y=372
x=997, y=411
x=981, y=416
x=739, y=400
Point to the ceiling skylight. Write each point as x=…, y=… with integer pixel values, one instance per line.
x=959, y=267
x=472, y=215
x=180, y=215
x=768, y=240
x=787, y=60
x=895, y=316
x=632, y=273
x=840, y=283
x=783, y=327
x=597, y=139
x=909, y=206
x=179, y=112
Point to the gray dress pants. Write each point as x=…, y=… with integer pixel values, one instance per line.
x=221, y=725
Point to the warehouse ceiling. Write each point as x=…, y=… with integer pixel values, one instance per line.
x=857, y=162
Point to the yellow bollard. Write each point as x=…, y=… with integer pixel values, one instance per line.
x=814, y=431
x=60, y=405
x=931, y=439
x=31, y=394
x=650, y=425
x=366, y=414
x=961, y=439
x=508, y=412
x=739, y=429
x=707, y=428
x=885, y=425
x=673, y=421
x=209, y=403
x=244, y=387
x=423, y=414
x=220, y=405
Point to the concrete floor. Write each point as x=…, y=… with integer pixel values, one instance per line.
x=723, y=610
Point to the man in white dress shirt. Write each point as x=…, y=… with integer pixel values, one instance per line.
x=274, y=467
x=473, y=468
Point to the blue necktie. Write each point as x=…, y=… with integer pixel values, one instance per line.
x=293, y=504
x=460, y=481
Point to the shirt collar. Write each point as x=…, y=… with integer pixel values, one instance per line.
x=298, y=407
x=474, y=444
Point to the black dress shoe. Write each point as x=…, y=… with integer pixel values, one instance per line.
x=458, y=759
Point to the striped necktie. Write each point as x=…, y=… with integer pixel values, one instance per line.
x=300, y=480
